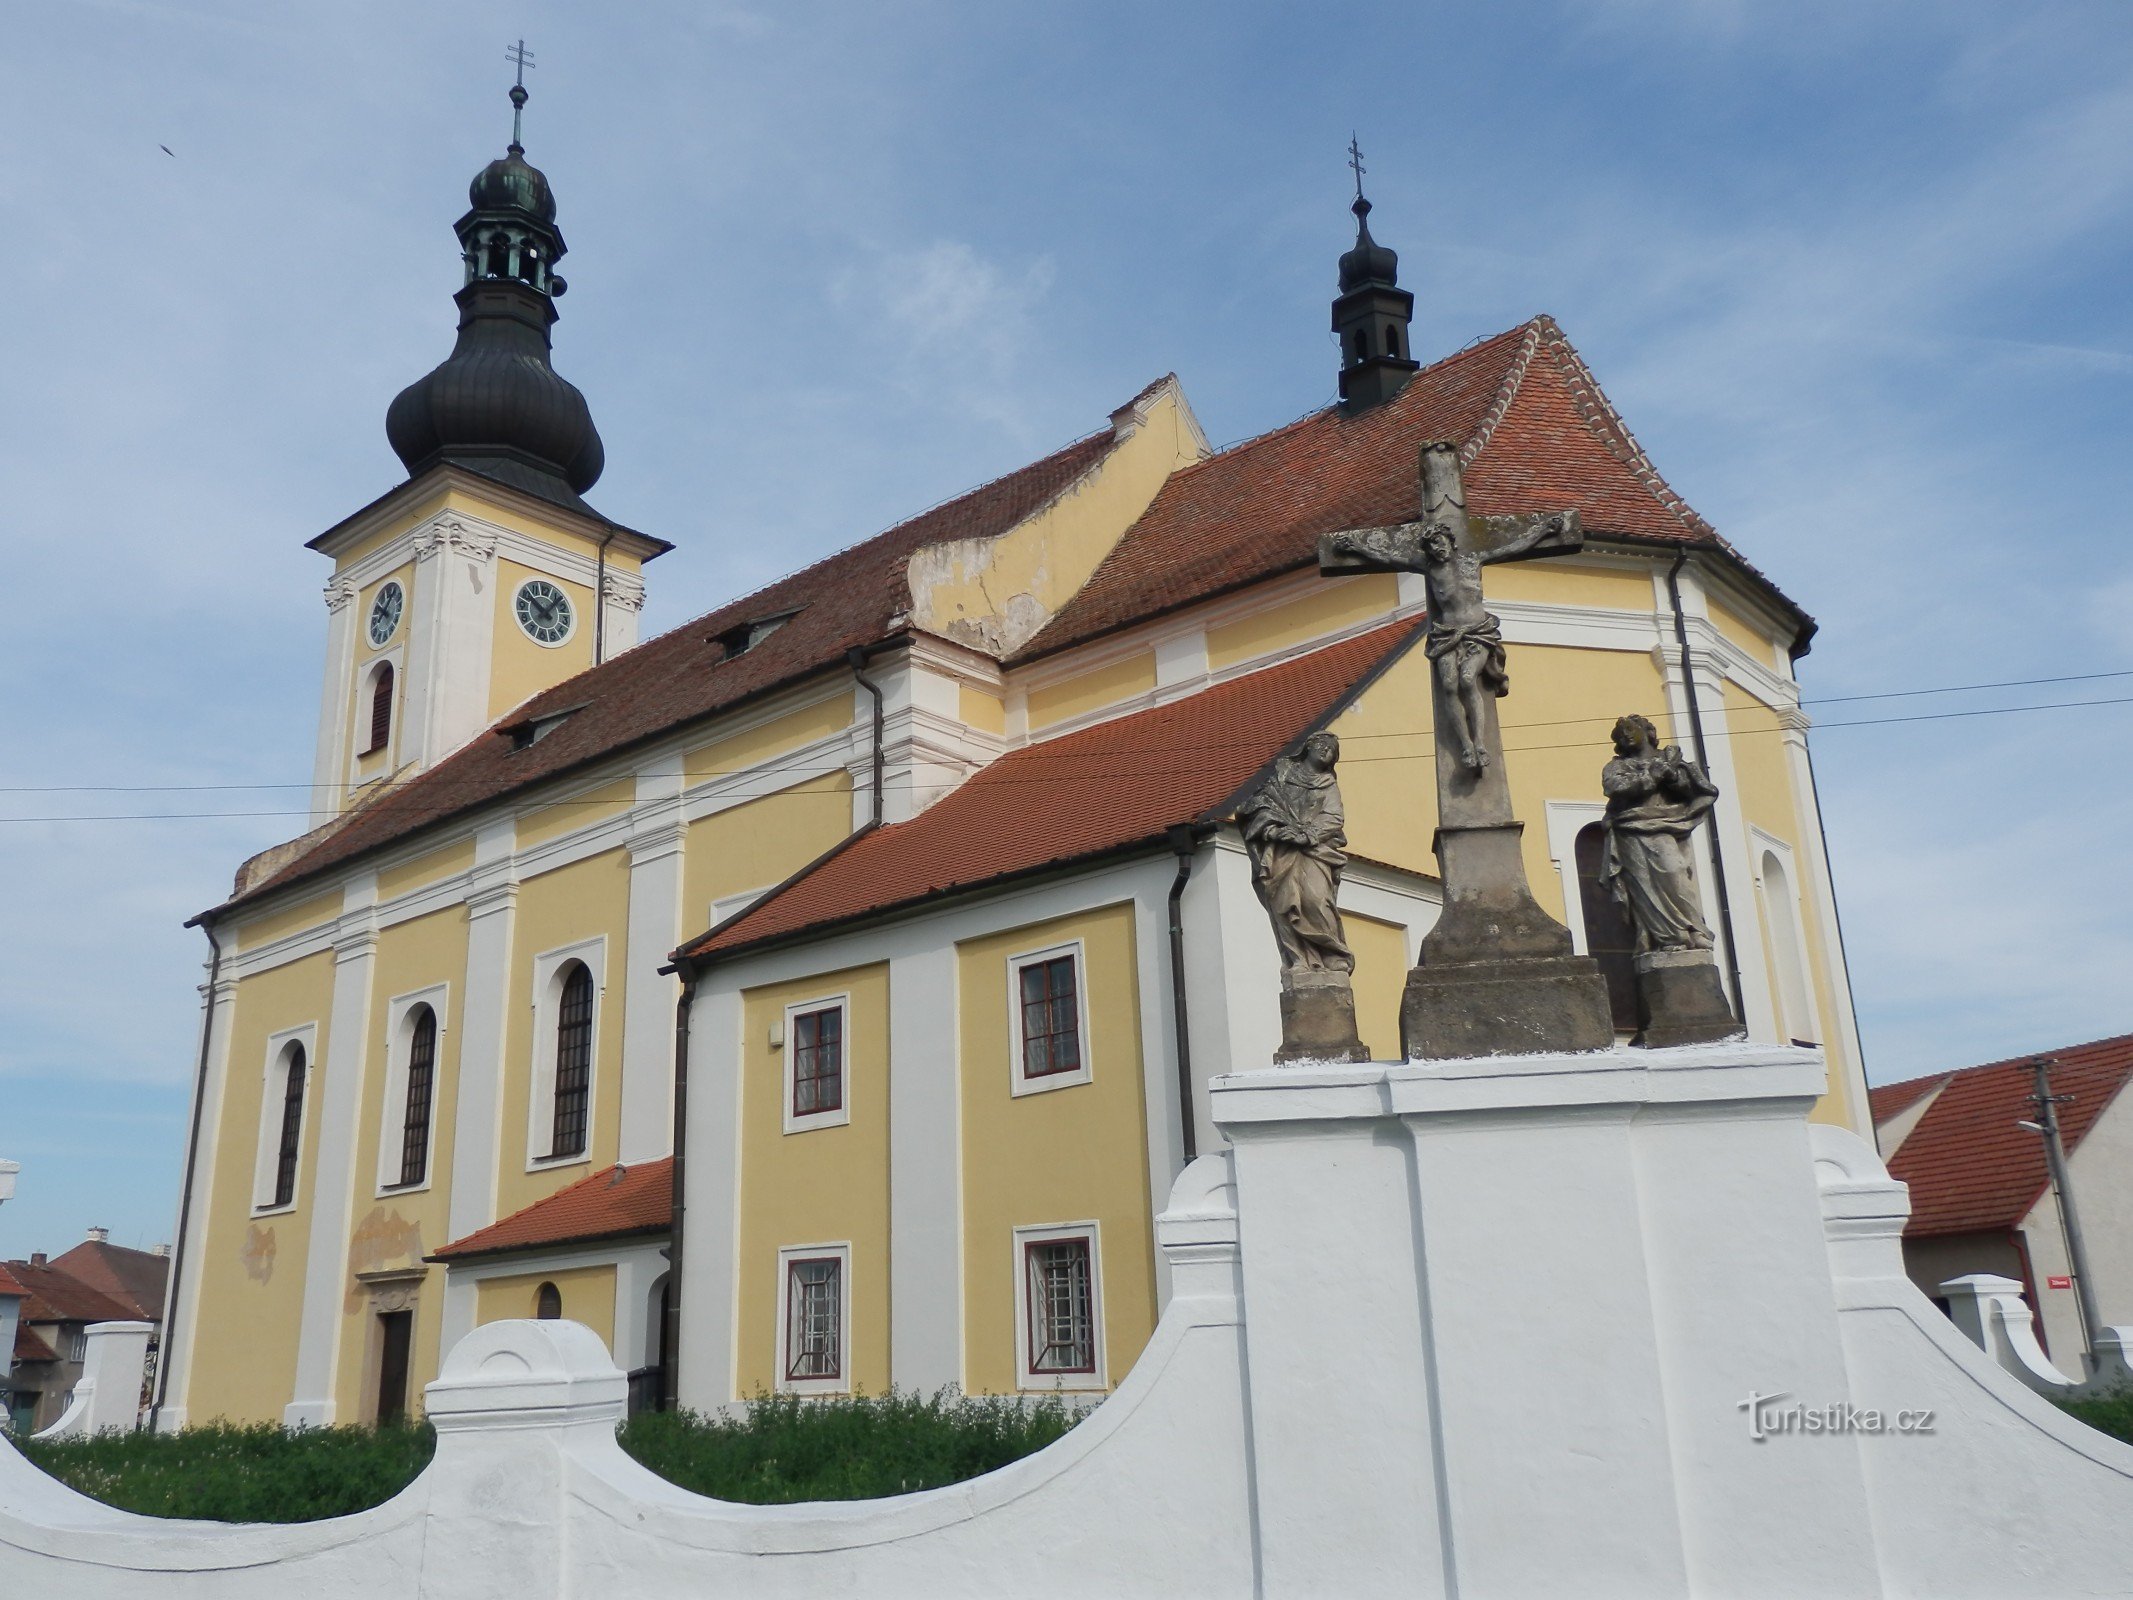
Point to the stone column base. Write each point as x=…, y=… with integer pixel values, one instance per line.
x=1505, y=1008
x=1318, y=1018
x=1680, y=1000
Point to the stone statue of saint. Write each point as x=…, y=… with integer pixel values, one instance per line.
x=1294, y=831
x=1656, y=797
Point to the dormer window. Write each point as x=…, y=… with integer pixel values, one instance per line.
x=525, y=735
x=743, y=637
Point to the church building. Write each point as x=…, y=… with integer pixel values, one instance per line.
x=821, y=995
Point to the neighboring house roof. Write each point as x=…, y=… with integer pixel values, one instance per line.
x=1970, y=1168
x=1536, y=435
x=8, y=1285
x=32, y=1346
x=135, y=1277
x=619, y=1202
x=1893, y=1099
x=1115, y=786
x=56, y=1296
x=846, y=600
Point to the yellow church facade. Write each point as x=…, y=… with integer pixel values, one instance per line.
x=821, y=996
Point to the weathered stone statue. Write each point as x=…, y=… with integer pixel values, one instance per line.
x=1656, y=800
x=1295, y=833
x=1498, y=975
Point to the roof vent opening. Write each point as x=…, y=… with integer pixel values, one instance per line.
x=525, y=735
x=743, y=637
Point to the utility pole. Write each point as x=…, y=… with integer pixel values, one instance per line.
x=2077, y=1256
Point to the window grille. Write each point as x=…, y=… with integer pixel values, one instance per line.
x=1051, y=1018
x=381, y=709
x=573, y=1062
x=421, y=1086
x=1062, y=1324
x=814, y=1294
x=818, y=1061
x=292, y=1127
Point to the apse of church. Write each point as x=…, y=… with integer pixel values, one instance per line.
x=913, y=883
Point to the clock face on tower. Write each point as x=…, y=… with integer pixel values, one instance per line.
x=543, y=611
x=385, y=612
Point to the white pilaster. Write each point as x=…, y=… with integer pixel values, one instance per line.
x=355, y=948
x=657, y=836
x=452, y=643
x=925, y=1173
x=623, y=603
x=328, y=766
x=1819, y=891
x=183, y=1316
x=712, y=1197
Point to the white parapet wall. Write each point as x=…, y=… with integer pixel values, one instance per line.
x=1613, y=1324
x=107, y=1398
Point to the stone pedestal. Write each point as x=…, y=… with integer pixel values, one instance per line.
x=1318, y=1018
x=1681, y=1000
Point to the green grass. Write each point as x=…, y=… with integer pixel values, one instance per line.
x=2113, y=1415
x=781, y=1450
x=224, y=1473
x=785, y=1448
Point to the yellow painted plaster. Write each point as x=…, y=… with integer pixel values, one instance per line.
x=1380, y=979
x=563, y=907
x=389, y=530
x=404, y=576
x=981, y=710
x=1064, y=1155
x=1555, y=583
x=1324, y=608
x=993, y=594
x=588, y=1297
x=818, y=1186
x=762, y=842
x=293, y=919
x=750, y=748
x=394, y=1230
x=1740, y=631
x=1071, y=697
x=447, y=862
x=565, y=533
x=518, y=667
x=251, y=1269
x=555, y=814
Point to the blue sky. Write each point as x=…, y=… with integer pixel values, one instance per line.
x=1857, y=275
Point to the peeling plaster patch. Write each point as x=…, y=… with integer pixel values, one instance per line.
x=258, y=1253
x=382, y=1239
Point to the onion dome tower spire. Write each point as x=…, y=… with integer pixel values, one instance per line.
x=496, y=406
x=1371, y=314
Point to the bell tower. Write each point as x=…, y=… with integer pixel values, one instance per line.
x=485, y=578
x=1371, y=315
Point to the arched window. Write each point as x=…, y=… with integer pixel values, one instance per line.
x=421, y=1092
x=1392, y=342
x=1781, y=922
x=499, y=255
x=573, y=1060
x=292, y=1126
x=548, y=1303
x=381, y=708
x=1610, y=937
x=1362, y=345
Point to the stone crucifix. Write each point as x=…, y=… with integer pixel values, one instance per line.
x=1498, y=975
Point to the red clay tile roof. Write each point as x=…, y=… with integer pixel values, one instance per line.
x=133, y=1277
x=1890, y=1098
x=613, y=1204
x=1969, y=1167
x=56, y=1296
x=32, y=1346
x=1106, y=788
x=1537, y=435
x=844, y=600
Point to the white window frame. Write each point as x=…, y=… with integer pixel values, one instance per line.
x=1788, y=861
x=1566, y=820
x=786, y=1046
x=841, y=1252
x=1060, y=1382
x=392, y=1115
x=1017, y=1082
x=540, y=1100
x=273, y=1083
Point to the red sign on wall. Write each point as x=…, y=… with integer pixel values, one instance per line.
x=2058, y=1283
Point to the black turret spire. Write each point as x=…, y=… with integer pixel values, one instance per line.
x=496, y=405
x=1371, y=314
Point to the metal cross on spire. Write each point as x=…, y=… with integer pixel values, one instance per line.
x=522, y=58
x=1355, y=161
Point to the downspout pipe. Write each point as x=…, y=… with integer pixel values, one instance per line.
x=185, y=1193
x=670, y=1333
x=856, y=659
x=1185, y=845
x=1703, y=760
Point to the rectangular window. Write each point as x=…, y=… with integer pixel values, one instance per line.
x=1060, y=1313
x=77, y=1345
x=814, y=1320
x=1051, y=1018
x=292, y=1127
x=421, y=1083
x=818, y=1061
x=573, y=1062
